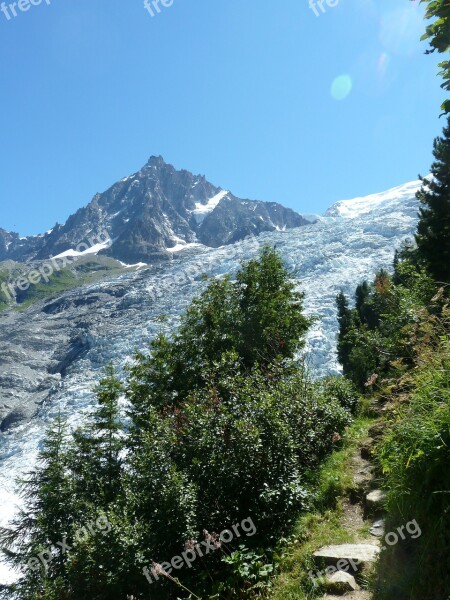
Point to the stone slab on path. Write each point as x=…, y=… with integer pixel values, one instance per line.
x=361, y=595
x=359, y=554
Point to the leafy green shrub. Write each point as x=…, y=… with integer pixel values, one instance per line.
x=342, y=390
x=248, y=573
x=247, y=446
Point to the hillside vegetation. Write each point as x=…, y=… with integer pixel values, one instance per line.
x=394, y=344
x=20, y=291
x=223, y=436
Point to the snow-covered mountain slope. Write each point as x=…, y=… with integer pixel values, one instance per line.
x=58, y=349
x=385, y=203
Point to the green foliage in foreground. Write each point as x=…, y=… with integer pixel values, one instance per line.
x=395, y=341
x=322, y=525
x=414, y=456
x=438, y=35
x=223, y=428
x=256, y=320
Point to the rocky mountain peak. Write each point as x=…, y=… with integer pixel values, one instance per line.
x=153, y=214
x=156, y=161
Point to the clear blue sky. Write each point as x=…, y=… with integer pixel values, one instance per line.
x=241, y=91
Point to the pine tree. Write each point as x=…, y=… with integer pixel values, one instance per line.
x=361, y=297
x=256, y=319
x=96, y=462
x=150, y=384
x=46, y=517
x=396, y=279
x=433, y=231
x=272, y=324
x=108, y=424
x=209, y=330
x=345, y=322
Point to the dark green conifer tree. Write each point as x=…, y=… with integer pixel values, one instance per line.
x=361, y=297
x=96, y=462
x=30, y=543
x=345, y=322
x=256, y=319
x=272, y=324
x=433, y=231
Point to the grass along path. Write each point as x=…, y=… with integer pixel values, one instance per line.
x=340, y=518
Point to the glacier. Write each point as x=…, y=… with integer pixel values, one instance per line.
x=349, y=243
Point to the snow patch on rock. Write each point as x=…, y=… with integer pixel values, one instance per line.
x=202, y=210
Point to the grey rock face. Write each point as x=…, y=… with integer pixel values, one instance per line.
x=150, y=212
x=235, y=219
x=25, y=364
x=40, y=344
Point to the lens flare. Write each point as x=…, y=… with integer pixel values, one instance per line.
x=383, y=64
x=400, y=31
x=341, y=87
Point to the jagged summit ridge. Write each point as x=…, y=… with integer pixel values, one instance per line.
x=153, y=213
